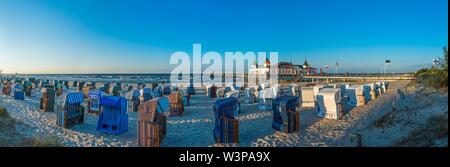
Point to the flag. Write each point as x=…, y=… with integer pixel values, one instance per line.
x=337, y=64
x=387, y=61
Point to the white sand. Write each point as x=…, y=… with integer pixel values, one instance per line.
x=195, y=127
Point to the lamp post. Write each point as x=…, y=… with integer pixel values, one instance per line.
x=386, y=62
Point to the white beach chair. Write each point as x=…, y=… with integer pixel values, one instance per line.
x=307, y=97
x=329, y=104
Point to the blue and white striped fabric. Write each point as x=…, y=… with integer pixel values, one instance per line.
x=75, y=97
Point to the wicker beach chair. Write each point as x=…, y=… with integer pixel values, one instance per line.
x=47, y=102
x=113, y=118
x=151, y=123
x=226, y=129
x=94, y=101
x=133, y=100
x=250, y=96
x=176, y=104
x=285, y=116
x=329, y=103
x=18, y=92
x=72, y=112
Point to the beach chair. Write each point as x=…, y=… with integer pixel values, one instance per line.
x=367, y=89
x=133, y=100
x=18, y=92
x=329, y=103
x=250, y=96
x=81, y=85
x=72, y=112
x=146, y=94
x=285, y=116
x=59, y=88
x=235, y=94
x=226, y=126
x=166, y=89
x=308, y=99
x=220, y=92
x=211, y=91
x=27, y=88
x=86, y=89
x=47, y=102
x=191, y=90
x=158, y=91
x=151, y=123
x=265, y=99
x=355, y=95
x=6, y=90
x=186, y=97
x=114, y=90
x=94, y=101
x=176, y=104
x=113, y=118
x=384, y=86
x=374, y=91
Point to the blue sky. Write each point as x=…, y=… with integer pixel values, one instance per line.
x=85, y=36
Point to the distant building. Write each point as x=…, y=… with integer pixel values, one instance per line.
x=286, y=70
x=264, y=70
x=308, y=70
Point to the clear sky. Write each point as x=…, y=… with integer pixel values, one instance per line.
x=102, y=36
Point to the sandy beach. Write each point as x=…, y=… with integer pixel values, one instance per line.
x=194, y=128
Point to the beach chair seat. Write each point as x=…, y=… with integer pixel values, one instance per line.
x=73, y=112
x=329, y=103
x=226, y=129
x=355, y=95
x=113, y=117
x=285, y=116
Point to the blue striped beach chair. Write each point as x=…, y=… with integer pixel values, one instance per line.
x=285, y=116
x=18, y=92
x=226, y=129
x=73, y=112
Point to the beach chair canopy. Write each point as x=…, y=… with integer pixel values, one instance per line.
x=113, y=101
x=18, y=86
x=74, y=97
x=145, y=91
x=226, y=106
x=132, y=94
